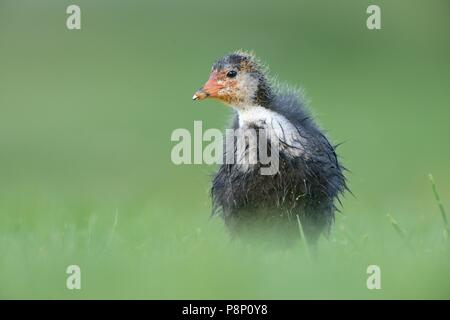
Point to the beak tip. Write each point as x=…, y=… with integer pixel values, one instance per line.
x=194, y=97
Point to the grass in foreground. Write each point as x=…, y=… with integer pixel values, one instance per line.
x=158, y=251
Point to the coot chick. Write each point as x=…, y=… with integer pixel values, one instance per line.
x=300, y=196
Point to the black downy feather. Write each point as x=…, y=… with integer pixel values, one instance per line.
x=307, y=187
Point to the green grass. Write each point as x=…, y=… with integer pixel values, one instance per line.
x=441, y=207
x=143, y=253
x=85, y=170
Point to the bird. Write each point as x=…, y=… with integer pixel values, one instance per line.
x=300, y=199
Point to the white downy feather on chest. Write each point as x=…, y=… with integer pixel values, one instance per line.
x=276, y=125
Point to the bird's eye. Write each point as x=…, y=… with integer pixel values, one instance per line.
x=231, y=74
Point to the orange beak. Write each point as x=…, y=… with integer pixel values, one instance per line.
x=210, y=89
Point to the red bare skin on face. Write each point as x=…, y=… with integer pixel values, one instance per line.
x=231, y=90
x=219, y=86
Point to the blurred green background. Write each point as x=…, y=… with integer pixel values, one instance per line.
x=85, y=124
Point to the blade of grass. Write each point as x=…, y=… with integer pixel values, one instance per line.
x=303, y=238
x=91, y=223
x=110, y=239
x=114, y=226
x=440, y=205
x=400, y=231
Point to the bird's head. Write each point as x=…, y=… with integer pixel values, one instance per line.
x=237, y=79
